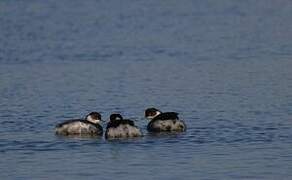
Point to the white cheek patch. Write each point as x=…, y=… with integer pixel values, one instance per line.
x=90, y=119
x=156, y=114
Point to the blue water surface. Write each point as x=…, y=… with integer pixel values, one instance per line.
x=225, y=66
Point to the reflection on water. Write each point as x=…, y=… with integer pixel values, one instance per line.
x=224, y=66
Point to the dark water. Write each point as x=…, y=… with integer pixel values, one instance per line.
x=225, y=66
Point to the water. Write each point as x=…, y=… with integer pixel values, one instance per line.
x=225, y=66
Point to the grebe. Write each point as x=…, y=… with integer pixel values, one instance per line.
x=88, y=126
x=118, y=127
x=164, y=121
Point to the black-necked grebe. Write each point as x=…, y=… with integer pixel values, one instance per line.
x=163, y=121
x=88, y=126
x=118, y=127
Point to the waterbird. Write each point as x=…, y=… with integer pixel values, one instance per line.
x=118, y=127
x=164, y=121
x=90, y=125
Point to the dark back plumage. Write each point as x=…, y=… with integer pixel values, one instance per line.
x=116, y=123
x=166, y=122
x=166, y=116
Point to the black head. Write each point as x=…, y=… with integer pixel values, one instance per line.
x=150, y=113
x=93, y=117
x=116, y=117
